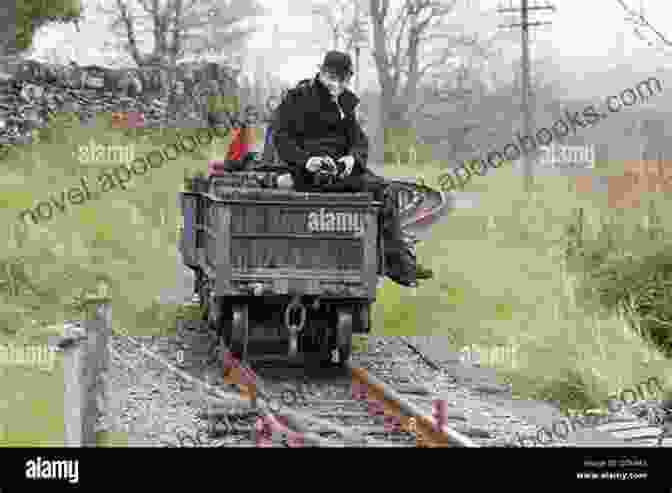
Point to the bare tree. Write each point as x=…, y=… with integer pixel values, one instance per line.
x=26, y=17
x=337, y=16
x=179, y=27
x=347, y=21
x=402, y=39
x=447, y=108
x=642, y=27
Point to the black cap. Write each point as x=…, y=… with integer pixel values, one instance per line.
x=337, y=62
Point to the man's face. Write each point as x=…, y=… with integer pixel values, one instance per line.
x=334, y=83
x=272, y=104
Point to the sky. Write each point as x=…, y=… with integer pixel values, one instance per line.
x=586, y=38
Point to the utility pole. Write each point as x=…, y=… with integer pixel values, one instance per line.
x=525, y=75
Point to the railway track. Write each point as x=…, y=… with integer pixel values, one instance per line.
x=352, y=406
x=371, y=403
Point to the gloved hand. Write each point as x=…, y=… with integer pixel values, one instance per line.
x=314, y=163
x=317, y=163
x=349, y=163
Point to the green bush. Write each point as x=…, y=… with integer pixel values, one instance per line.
x=625, y=267
x=639, y=288
x=31, y=14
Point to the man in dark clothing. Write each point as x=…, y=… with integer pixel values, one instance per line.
x=316, y=122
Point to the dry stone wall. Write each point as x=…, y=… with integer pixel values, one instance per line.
x=172, y=97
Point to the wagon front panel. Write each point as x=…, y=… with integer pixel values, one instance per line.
x=319, y=247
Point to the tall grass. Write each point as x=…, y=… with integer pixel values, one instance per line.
x=127, y=236
x=504, y=276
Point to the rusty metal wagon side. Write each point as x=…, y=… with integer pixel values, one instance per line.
x=284, y=275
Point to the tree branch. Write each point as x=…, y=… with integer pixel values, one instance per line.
x=448, y=53
x=127, y=20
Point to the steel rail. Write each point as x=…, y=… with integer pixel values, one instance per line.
x=412, y=417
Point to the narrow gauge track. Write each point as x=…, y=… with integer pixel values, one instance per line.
x=343, y=407
x=333, y=407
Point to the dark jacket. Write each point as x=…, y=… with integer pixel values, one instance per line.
x=308, y=123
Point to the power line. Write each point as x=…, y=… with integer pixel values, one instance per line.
x=525, y=73
x=643, y=21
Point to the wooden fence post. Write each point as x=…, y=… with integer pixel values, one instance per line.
x=98, y=326
x=73, y=373
x=85, y=362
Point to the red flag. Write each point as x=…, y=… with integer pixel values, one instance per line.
x=242, y=142
x=234, y=146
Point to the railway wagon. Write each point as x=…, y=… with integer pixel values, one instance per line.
x=284, y=275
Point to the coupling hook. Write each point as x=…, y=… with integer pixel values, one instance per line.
x=295, y=305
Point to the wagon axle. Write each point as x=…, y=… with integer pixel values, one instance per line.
x=297, y=330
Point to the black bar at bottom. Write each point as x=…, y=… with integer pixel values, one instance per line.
x=133, y=468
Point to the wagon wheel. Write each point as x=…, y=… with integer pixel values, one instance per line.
x=344, y=333
x=213, y=316
x=322, y=346
x=239, y=331
x=200, y=289
x=363, y=318
x=209, y=305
